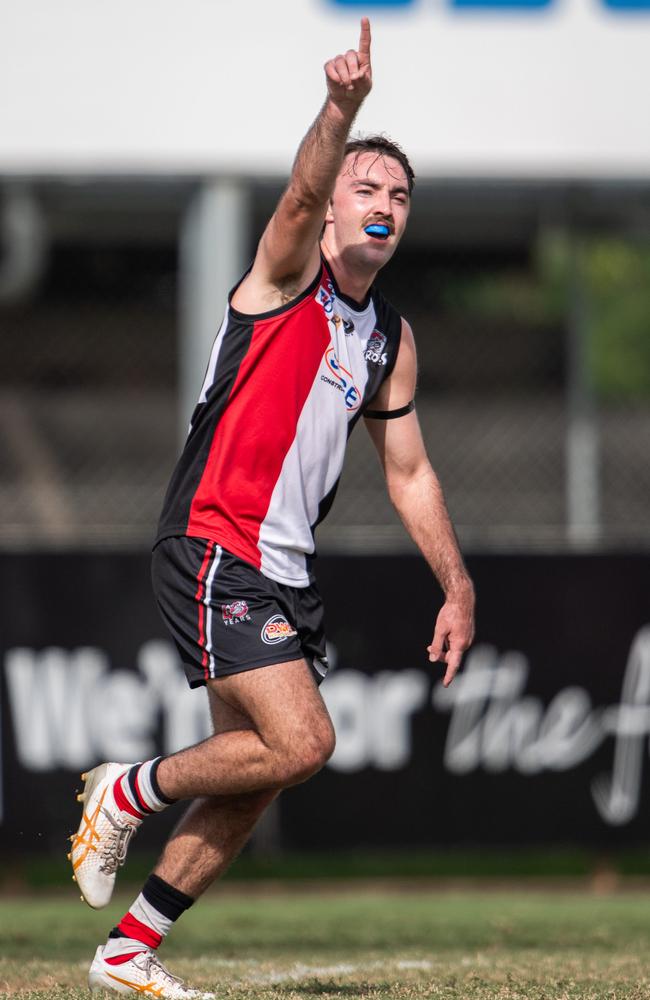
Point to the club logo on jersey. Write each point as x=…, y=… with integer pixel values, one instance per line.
x=343, y=380
x=235, y=613
x=374, y=351
x=277, y=629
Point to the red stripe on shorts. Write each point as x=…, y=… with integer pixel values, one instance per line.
x=200, y=594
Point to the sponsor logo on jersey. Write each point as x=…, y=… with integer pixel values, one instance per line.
x=235, y=613
x=374, y=351
x=342, y=380
x=277, y=629
x=325, y=295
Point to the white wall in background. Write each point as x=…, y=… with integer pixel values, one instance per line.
x=102, y=86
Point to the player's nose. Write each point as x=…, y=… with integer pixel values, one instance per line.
x=383, y=205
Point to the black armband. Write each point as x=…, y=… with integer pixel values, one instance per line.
x=390, y=414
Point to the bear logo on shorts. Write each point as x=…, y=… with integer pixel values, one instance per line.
x=234, y=613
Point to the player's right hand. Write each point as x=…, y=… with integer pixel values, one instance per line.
x=349, y=77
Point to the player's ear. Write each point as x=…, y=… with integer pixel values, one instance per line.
x=328, y=215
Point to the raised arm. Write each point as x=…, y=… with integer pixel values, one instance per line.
x=415, y=492
x=288, y=255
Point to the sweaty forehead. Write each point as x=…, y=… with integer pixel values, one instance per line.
x=373, y=166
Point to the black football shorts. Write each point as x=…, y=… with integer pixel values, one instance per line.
x=226, y=617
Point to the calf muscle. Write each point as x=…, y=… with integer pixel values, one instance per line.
x=208, y=838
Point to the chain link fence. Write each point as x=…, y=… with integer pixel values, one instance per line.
x=89, y=376
x=87, y=390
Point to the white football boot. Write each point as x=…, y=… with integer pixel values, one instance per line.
x=144, y=974
x=100, y=844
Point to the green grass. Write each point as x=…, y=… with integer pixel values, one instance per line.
x=41, y=872
x=375, y=945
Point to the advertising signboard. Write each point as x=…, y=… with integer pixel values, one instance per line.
x=543, y=737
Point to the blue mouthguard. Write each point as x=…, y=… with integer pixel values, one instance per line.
x=377, y=230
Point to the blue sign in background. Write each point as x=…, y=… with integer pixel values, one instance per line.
x=522, y=5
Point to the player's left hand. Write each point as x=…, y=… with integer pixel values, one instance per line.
x=453, y=634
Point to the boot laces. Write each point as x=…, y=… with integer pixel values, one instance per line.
x=116, y=844
x=151, y=960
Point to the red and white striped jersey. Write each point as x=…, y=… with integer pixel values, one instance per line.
x=282, y=392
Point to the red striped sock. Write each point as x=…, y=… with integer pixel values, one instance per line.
x=137, y=791
x=147, y=921
x=121, y=801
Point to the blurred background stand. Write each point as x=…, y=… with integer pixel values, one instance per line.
x=582, y=453
x=213, y=256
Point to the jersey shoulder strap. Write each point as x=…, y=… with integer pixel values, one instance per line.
x=389, y=325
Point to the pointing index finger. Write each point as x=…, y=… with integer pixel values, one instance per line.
x=364, y=39
x=453, y=664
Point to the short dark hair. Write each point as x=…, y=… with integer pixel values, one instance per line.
x=382, y=146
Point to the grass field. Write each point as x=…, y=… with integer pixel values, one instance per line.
x=371, y=944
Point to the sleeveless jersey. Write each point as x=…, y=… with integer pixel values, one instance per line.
x=282, y=393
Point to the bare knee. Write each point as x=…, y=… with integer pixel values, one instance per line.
x=308, y=753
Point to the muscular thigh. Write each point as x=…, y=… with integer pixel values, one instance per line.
x=227, y=719
x=281, y=702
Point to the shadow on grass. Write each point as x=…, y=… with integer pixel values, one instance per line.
x=327, y=988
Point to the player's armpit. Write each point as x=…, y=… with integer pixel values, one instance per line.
x=286, y=262
x=289, y=250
